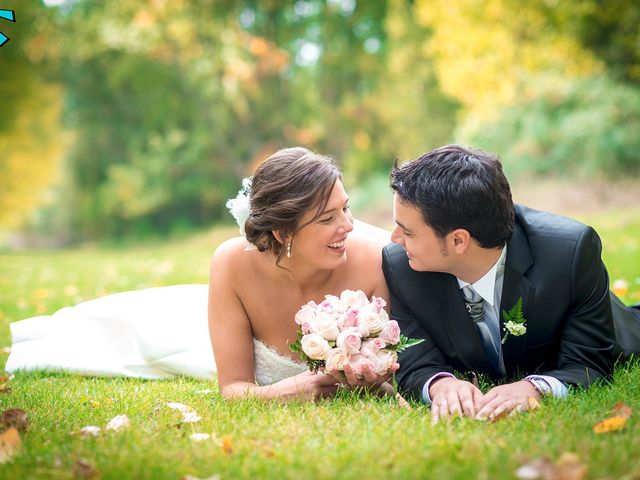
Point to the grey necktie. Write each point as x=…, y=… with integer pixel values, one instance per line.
x=473, y=301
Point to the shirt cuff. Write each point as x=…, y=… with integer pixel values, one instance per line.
x=556, y=387
x=425, y=390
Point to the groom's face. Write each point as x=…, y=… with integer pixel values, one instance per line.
x=426, y=251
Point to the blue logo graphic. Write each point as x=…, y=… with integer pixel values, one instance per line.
x=7, y=15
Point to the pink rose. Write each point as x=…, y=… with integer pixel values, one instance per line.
x=379, y=303
x=372, y=346
x=332, y=304
x=350, y=319
x=381, y=361
x=335, y=360
x=349, y=340
x=391, y=333
x=314, y=346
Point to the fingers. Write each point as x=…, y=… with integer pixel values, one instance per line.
x=435, y=411
x=453, y=397
x=350, y=376
x=338, y=375
x=369, y=376
x=468, y=402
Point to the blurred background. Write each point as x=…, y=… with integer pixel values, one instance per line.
x=138, y=118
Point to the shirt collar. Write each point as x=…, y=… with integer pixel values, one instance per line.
x=485, y=287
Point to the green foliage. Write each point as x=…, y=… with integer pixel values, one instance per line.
x=404, y=343
x=515, y=313
x=30, y=134
x=583, y=127
x=610, y=30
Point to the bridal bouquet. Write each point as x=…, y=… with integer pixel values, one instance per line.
x=349, y=329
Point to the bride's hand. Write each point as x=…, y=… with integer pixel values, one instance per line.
x=370, y=380
x=308, y=386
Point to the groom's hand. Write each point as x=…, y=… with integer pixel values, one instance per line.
x=451, y=396
x=504, y=399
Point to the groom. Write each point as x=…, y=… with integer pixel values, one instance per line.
x=494, y=288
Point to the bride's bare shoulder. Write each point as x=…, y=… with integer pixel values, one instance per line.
x=235, y=253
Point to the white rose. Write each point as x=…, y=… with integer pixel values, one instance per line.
x=314, y=346
x=335, y=360
x=374, y=321
x=326, y=324
x=306, y=314
x=386, y=359
x=332, y=304
x=354, y=299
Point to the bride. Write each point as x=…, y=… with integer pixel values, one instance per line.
x=299, y=244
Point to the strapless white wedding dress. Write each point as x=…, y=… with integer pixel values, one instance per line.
x=152, y=333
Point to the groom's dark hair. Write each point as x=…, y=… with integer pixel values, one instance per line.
x=456, y=187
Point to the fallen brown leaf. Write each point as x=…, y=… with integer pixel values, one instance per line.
x=215, y=476
x=120, y=422
x=227, y=444
x=268, y=453
x=88, y=431
x=568, y=467
x=14, y=417
x=539, y=468
x=621, y=413
x=10, y=444
x=622, y=410
x=402, y=402
x=83, y=469
x=611, y=424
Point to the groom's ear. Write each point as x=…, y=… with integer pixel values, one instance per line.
x=459, y=240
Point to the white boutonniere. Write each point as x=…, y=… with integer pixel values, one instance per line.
x=514, y=321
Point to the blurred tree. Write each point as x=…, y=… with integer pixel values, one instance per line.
x=150, y=87
x=415, y=115
x=611, y=30
x=31, y=140
x=584, y=127
x=484, y=50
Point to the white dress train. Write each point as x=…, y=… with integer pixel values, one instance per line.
x=153, y=333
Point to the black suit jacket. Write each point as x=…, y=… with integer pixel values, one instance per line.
x=554, y=264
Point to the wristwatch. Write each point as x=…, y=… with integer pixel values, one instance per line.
x=540, y=385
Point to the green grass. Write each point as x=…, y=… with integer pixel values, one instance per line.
x=345, y=437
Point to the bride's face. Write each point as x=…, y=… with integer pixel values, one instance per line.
x=322, y=242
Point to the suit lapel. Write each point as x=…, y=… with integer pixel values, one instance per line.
x=460, y=329
x=516, y=286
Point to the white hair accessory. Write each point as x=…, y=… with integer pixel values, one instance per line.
x=240, y=207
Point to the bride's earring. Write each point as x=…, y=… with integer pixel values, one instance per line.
x=289, y=249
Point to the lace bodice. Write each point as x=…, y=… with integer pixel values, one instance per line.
x=271, y=367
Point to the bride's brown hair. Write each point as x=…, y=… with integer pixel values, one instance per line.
x=284, y=187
